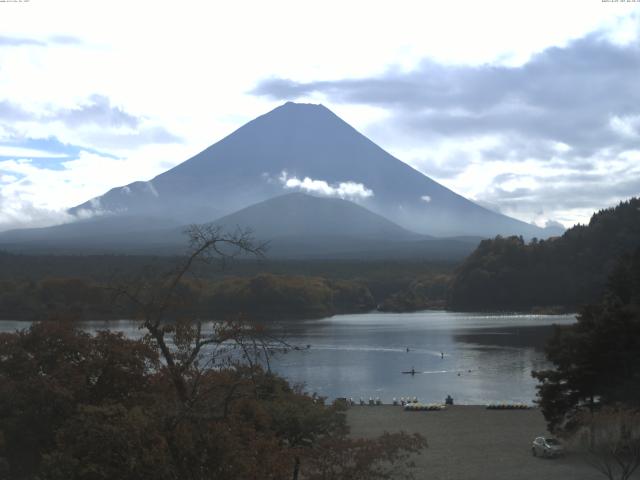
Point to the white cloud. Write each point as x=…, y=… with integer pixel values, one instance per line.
x=8, y=151
x=152, y=189
x=426, y=198
x=560, y=147
x=32, y=195
x=8, y=178
x=211, y=100
x=626, y=126
x=17, y=212
x=350, y=190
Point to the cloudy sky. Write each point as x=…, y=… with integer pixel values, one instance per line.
x=529, y=108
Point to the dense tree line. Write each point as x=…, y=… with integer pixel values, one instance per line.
x=382, y=277
x=74, y=297
x=597, y=360
x=262, y=297
x=564, y=272
x=270, y=296
x=31, y=286
x=425, y=292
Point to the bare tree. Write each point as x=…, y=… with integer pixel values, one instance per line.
x=612, y=441
x=216, y=372
x=181, y=341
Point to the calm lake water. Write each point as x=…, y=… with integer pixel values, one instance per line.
x=487, y=358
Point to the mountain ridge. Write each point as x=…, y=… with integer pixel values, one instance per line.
x=304, y=141
x=298, y=213
x=294, y=226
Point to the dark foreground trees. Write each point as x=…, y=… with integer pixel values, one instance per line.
x=611, y=441
x=593, y=393
x=596, y=360
x=187, y=401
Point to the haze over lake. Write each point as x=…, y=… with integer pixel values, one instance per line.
x=487, y=357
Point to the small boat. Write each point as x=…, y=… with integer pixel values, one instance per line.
x=411, y=372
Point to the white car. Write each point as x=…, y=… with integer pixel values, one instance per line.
x=546, y=447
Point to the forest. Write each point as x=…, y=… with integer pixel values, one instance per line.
x=503, y=274
x=35, y=287
x=557, y=274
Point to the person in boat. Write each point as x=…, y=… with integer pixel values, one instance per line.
x=413, y=371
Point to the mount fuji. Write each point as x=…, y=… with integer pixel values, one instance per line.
x=293, y=148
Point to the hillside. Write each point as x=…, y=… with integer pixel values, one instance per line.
x=294, y=225
x=301, y=215
x=565, y=272
x=297, y=225
x=100, y=234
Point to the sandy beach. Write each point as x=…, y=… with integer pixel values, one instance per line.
x=471, y=442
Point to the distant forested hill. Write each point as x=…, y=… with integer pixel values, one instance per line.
x=565, y=272
x=262, y=297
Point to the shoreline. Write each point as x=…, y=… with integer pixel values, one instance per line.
x=292, y=318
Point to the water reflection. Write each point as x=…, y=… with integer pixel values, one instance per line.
x=476, y=358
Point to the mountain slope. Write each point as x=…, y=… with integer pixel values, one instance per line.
x=273, y=154
x=299, y=218
x=99, y=234
x=300, y=226
x=301, y=215
x=294, y=225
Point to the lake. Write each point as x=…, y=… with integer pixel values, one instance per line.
x=475, y=358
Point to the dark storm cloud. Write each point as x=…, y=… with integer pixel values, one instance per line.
x=564, y=94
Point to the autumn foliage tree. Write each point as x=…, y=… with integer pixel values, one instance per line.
x=189, y=400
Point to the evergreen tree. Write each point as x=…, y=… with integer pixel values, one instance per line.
x=597, y=360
